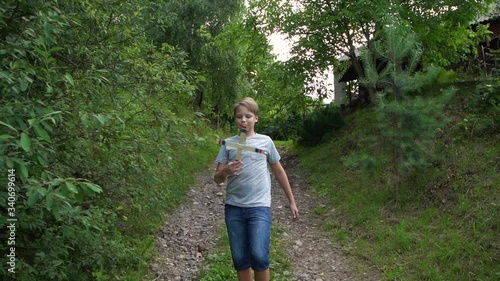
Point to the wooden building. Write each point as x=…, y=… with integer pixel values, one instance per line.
x=488, y=59
x=489, y=50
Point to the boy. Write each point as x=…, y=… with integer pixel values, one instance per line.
x=248, y=195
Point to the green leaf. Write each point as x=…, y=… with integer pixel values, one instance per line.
x=56, y=182
x=9, y=162
x=32, y=198
x=41, y=133
x=71, y=187
x=41, y=160
x=100, y=118
x=22, y=124
x=6, y=75
x=94, y=187
x=25, y=142
x=69, y=78
x=49, y=89
x=202, y=78
x=60, y=196
x=79, y=197
x=22, y=168
x=24, y=83
x=50, y=203
x=55, y=212
x=84, y=119
x=48, y=116
x=42, y=191
x=8, y=126
x=46, y=126
x=4, y=137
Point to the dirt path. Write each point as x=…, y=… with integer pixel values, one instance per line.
x=315, y=256
x=191, y=233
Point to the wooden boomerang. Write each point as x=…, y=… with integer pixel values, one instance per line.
x=240, y=146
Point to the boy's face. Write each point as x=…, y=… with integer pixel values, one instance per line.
x=245, y=118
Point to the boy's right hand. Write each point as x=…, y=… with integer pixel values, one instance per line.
x=234, y=168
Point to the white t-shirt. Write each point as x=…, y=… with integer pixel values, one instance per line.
x=252, y=187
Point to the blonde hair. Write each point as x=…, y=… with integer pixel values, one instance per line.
x=249, y=103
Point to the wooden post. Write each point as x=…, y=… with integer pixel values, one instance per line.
x=243, y=138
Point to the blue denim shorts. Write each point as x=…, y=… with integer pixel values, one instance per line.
x=249, y=231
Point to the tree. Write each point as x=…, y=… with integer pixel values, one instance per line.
x=193, y=26
x=326, y=30
x=87, y=105
x=408, y=109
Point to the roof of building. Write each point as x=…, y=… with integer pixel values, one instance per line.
x=492, y=15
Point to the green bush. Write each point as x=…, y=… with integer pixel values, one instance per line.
x=285, y=128
x=483, y=117
x=99, y=136
x=319, y=123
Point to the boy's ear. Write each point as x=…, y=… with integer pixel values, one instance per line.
x=256, y=118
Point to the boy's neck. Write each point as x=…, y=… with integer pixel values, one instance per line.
x=248, y=133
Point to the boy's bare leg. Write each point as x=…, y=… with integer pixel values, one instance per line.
x=245, y=275
x=263, y=275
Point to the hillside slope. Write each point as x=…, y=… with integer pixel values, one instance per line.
x=444, y=223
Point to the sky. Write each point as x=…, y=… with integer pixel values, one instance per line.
x=282, y=47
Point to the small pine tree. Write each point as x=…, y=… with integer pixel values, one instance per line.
x=406, y=120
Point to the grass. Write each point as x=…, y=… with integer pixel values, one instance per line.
x=219, y=267
x=444, y=225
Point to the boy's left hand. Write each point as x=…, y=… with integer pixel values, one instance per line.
x=295, y=212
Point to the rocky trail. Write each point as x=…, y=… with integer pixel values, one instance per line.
x=192, y=231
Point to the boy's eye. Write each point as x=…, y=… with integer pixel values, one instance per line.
x=246, y=116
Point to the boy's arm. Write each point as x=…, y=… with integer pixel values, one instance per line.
x=282, y=178
x=225, y=170
x=220, y=175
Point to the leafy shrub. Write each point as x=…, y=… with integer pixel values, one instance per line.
x=282, y=128
x=483, y=109
x=320, y=122
x=96, y=133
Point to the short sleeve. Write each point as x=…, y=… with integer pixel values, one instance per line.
x=222, y=157
x=273, y=154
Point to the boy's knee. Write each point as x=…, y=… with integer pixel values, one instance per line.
x=260, y=261
x=240, y=262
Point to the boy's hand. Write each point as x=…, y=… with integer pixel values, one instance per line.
x=295, y=212
x=234, y=168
